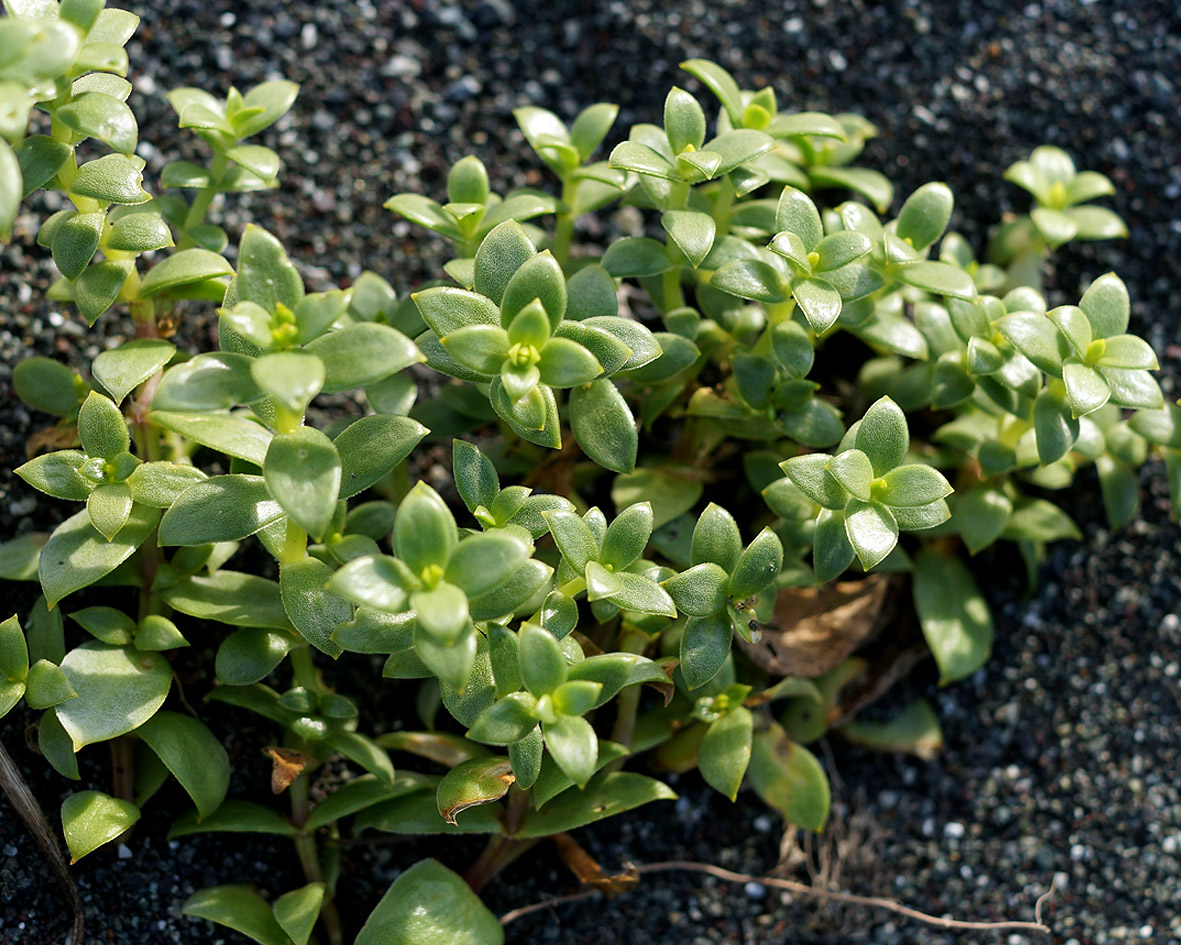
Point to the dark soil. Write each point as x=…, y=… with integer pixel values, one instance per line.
x=1062, y=754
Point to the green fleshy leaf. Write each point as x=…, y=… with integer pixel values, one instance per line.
x=91, y=818
x=362, y=354
x=692, y=231
x=571, y=742
x=234, y=436
x=241, y=600
x=705, y=645
x=224, y=508
x=925, y=215
x=605, y=796
x=758, y=567
x=302, y=472
x=312, y=609
x=751, y=279
x=297, y=911
x=725, y=751
x=872, y=531
x=239, y=908
x=635, y=257
x=429, y=903
x=604, y=426
x=118, y=690
x=123, y=369
x=76, y=555
x=789, y=778
x=193, y=755
x=980, y=516
x=953, y=615
x=882, y=435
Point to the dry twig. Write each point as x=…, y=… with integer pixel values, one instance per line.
x=802, y=889
x=13, y=784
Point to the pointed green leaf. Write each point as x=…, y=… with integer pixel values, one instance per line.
x=298, y=911
x=429, y=903
x=789, y=778
x=725, y=751
x=692, y=231
x=239, y=908
x=123, y=369
x=882, y=435
x=312, y=609
x=872, y=531
x=193, y=755
x=302, y=471
x=91, y=818
x=224, y=508
x=604, y=426
x=232, y=435
x=752, y=279
x=76, y=555
x=980, y=516
x=953, y=615
x=424, y=531
x=705, y=645
x=758, y=567
x=118, y=690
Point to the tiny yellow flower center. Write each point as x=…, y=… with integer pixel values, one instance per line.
x=1096, y=349
x=523, y=356
x=1057, y=196
x=813, y=259
x=431, y=576
x=284, y=333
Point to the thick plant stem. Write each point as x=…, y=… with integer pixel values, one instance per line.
x=502, y=850
x=295, y=545
x=628, y=701
x=564, y=229
x=722, y=205
x=200, y=205
x=123, y=767
x=304, y=669
x=670, y=283
x=309, y=860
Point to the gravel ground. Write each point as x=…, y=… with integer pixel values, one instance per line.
x=1063, y=753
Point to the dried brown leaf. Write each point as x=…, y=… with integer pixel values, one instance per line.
x=814, y=629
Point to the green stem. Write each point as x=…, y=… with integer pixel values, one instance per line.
x=573, y=586
x=674, y=298
x=304, y=669
x=628, y=701
x=309, y=860
x=564, y=230
x=200, y=205
x=722, y=205
x=295, y=546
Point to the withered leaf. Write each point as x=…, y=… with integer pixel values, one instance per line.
x=814, y=629
x=589, y=872
x=287, y=765
x=50, y=439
